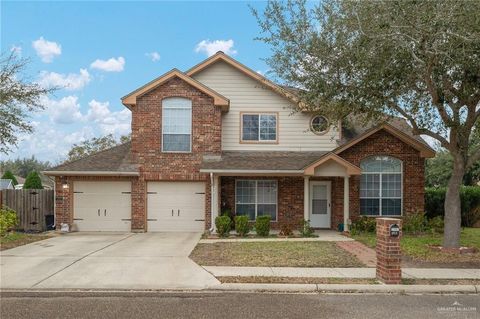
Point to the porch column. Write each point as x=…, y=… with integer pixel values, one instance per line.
x=306, y=197
x=214, y=200
x=346, y=202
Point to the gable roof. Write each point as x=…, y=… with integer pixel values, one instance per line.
x=349, y=167
x=117, y=160
x=220, y=56
x=398, y=128
x=130, y=99
x=6, y=184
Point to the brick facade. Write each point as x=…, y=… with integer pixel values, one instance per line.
x=389, y=255
x=155, y=165
x=384, y=143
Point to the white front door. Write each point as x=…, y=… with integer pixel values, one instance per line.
x=320, y=208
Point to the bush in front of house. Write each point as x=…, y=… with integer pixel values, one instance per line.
x=469, y=198
x=414, y=223
x=223, y=224
x=8, y=220
x=436, y=225
x=241, y=225
x=363, y=224
x=33, y=181
x=306, y=230
x=262, y=225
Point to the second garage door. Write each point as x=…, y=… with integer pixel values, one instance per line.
x=176, y=206
x=102, y=206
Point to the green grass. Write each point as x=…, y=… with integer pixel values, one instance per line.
x=14, y=239
x=273, y=254
x=417, y=248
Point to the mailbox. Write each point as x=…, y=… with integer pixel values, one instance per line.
x=394, y=230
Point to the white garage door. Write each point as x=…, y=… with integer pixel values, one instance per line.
x=176, y=206
x=102, y=206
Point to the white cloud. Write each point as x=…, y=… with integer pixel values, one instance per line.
x=110, y=65
x=71, y=81
x=46, y=50
x=154, y=56
x=117, y=123
x=63, y=111
x=16, y=49
x=211, y=47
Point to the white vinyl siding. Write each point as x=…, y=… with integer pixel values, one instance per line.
x=247, y=95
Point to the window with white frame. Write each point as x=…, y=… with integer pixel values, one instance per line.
x=176, y=125
x=381, y=186
x=256, y=198
x=259, y=127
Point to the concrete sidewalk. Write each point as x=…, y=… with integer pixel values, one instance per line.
x=415, y=273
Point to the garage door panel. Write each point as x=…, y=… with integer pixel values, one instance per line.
x=102, y=206
x=176, y=206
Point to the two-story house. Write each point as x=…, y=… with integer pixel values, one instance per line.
x=222, y=137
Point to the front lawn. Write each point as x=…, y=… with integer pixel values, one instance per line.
x=14, y=239
x=416, y=247
x=273, y=254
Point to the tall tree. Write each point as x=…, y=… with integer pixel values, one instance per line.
x=419, y=60
x=95, y=145
x=23, y=166
x=18, y=98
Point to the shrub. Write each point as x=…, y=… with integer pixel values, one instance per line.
x=306, y=230
x=241, y=225
x=469, y=198
x=414, y=223
x=223, y=224
x=363, y=225
x=9, y=175
x=33, y=181
x=262, y=225
x=436, y=224
x=8, y=220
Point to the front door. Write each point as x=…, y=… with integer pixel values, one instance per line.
x=320, y=208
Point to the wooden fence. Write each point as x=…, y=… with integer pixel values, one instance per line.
x=31, y=205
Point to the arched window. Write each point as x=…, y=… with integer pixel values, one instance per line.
x=381, y=186
x=176, y=125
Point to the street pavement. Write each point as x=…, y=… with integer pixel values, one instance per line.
x=234, y=305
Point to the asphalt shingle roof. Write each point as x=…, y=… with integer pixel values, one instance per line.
x=115, y=159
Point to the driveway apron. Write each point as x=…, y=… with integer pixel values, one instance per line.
x=106, y=261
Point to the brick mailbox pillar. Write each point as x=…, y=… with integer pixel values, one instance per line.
x=388, y=250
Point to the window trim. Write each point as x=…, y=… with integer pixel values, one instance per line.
x=322, y=132
x=191, y=123
x=380, y=198
x=256, y=193
x=242, y=141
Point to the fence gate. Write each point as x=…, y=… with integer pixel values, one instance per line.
x=31, y=205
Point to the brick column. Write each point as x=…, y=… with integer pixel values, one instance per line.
x=388, y=252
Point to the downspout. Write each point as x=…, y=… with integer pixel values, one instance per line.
x=212, y=204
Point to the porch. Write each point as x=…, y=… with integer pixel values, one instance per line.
x=288, y=187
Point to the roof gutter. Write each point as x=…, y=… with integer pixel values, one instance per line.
x=250, y=171
x=90, y=173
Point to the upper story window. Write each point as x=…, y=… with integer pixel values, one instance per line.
x=176, y=125
x=260, y=127
x=319, y=124
x=381, y=186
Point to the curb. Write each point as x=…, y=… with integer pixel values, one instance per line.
x=273, y=288
x=352, y=288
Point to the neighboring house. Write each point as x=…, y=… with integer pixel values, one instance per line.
x=220, y=136
x=6, y=184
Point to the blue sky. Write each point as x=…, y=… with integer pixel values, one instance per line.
x=100, y=51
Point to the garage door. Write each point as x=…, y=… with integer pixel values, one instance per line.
x=102, y=206
x=176, y=206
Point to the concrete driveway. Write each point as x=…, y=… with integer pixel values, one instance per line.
x=106, y=261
